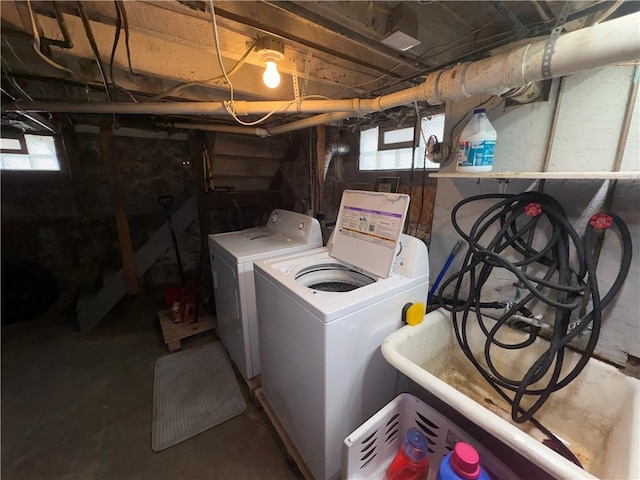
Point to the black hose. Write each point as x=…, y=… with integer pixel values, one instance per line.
x=560, y=285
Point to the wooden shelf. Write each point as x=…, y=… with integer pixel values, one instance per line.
x=628, y=175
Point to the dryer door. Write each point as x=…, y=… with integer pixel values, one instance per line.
x=225, y=284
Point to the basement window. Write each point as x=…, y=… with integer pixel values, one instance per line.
x=28, y=152
x=391, y=148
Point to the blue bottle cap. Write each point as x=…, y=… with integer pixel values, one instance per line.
x=415, y=445
x=480, y=110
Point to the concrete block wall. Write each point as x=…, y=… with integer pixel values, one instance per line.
x=75, y=238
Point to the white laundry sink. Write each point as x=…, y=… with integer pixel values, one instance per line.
x=597, y=415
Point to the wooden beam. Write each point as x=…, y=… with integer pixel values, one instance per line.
x=118, y=199
x=267, y=199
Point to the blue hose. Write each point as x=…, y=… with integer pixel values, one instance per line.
x=447, y=264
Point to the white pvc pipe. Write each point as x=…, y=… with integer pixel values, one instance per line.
x=321, y=119
x=610, y=42
x=260, y=132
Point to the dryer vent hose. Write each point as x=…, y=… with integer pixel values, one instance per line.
x=333, y=150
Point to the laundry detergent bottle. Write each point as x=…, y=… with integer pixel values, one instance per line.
x=476, y=145
x=411, y=462
x=463, y=463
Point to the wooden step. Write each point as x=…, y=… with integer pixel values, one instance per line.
x=91, y=311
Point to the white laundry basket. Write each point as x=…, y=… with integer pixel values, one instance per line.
x=368, y=451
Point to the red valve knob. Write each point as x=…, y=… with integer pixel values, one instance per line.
x=601, y=221
x=533, y=209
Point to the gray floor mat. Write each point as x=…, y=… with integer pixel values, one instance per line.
x=193, y=391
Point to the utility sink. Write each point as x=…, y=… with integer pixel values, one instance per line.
x=597, y=415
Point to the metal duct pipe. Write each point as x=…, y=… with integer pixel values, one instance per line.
x=333, y=150
x=610, y=42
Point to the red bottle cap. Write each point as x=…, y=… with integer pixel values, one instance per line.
x=465, y=461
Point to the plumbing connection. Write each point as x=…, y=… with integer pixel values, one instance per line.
x=544, y=274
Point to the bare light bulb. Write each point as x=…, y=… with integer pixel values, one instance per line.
x=271, y=77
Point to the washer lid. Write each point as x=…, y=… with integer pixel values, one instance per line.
x=368, y=228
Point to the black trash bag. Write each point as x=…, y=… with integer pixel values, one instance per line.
x=28, y=289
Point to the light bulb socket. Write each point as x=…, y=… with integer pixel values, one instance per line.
x=270, y=49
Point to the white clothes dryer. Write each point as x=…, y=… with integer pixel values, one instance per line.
x=324, y=314
x=232, y=257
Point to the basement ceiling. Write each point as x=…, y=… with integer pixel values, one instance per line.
x=165, y=50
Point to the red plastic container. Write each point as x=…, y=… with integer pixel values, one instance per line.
x=411, y=461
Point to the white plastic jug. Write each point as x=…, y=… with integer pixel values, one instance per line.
x=477, y=144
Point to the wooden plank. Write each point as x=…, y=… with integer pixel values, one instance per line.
x=250, y=167
x=249, y=146
x=292, y=451
x=627, y=175
x=173, y=333
x=92, y=311
x=118, y=199
x=267, y=199
x=241, y=184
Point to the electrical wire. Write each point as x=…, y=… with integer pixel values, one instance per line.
x=116, y=39
x=94, y=47
x=425, y=72
x=462, y=44
x=214, y=23
x=229, y=104
x=125, y=24
x=559, y=284
x=178, y=88
x=36, y=42
x=281, y=107
x=610, y=11
x=352, y=87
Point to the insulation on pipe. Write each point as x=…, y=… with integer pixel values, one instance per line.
x=614, y=41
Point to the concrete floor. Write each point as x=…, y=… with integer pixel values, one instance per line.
x=79, y=407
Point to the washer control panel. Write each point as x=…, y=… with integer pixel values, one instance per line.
x=294, y=225
x=411, y=258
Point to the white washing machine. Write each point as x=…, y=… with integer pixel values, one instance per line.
x=323, y=316
x=232, y=257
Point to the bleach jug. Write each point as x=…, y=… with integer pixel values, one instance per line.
x=463, y=463
x=477, y=143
